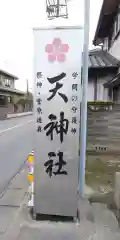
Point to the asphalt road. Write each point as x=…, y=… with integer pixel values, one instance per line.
x=16, y=142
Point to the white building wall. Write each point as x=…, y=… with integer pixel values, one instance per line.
x=105, y=44
x=102, y=93
x=105, y=95
x=115, y=49
x=90, y=92
x=12, y=83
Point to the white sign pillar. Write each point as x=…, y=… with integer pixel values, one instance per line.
x=57, y=60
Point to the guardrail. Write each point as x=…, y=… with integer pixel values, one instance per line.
x=14, y=115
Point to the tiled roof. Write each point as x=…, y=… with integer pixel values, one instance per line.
x=9, y=74
x=102, y=59
x=106, y=18
x=12, y=90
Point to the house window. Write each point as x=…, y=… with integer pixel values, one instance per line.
x=10, y=99
x=115, y=29
x=3, y=100
x=105, y=44
x=116, y=24
x=115, y=94
x=7, y=82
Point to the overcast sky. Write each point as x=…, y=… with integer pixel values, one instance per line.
x=17, y=19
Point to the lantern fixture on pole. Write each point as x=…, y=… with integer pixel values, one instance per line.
x=56, y=9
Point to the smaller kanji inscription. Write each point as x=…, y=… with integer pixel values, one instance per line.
x=74, y=75
x=75, y=87
x=38, y=100
x=74, y=109
x=39, y=120
x=73, y=130
x=74, y=98
x=39, y=75
x=39, y=84
x=74, y=120
x=39, y=110
x=39, y=129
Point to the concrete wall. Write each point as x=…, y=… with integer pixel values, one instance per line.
x=10, y=110
x=104, y=128
x=3, y=113
x=5, y=110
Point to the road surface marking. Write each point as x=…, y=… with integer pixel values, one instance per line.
x=16, y=126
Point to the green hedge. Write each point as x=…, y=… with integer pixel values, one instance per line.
x=99, y=103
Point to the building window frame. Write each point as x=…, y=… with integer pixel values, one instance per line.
x=116, y=28
x=3, y=100
x=106, y=44
x=7, y=82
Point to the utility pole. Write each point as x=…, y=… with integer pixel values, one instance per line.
x=27, y=87
x=83, y=127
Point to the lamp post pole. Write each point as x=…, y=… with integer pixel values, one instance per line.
x=83, y=128
x=57, y=8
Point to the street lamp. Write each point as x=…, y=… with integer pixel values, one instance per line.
x=56, y=9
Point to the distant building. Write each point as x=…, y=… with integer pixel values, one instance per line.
x=108, y=37
x=8, y=94
x=102, y=68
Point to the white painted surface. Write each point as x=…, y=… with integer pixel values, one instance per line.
x=115, y=49
x=105, y=94
x=54, y=191
x=90, y=90
x=100, y=89
x=102, y=93
x=105, y=44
